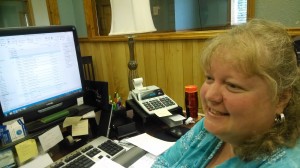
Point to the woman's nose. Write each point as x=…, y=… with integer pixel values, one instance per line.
x=214, y=93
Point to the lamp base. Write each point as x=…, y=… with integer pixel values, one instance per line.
x=132, y=64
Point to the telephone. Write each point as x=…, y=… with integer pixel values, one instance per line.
x=151, y=98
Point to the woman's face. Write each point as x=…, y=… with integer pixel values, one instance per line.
x=236, y=106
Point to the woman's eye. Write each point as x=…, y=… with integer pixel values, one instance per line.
x=234, y=87
x=208, y=78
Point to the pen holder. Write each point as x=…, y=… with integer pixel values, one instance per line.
x=121, y=125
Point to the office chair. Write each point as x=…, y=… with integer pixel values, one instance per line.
x=96, y=92
x=88, y=68
x=89, y=81
x=96, y=95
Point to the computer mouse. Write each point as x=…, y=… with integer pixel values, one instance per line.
x=175, y=132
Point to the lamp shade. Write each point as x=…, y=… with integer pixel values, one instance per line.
x=131, y=17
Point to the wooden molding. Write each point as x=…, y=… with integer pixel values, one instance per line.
x=174, y=36
x=53, y=13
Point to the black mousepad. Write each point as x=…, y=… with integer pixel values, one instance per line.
x=164, y=135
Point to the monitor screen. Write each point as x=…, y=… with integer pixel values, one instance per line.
x=40, y=71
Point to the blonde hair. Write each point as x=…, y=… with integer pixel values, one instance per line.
x=264, y=48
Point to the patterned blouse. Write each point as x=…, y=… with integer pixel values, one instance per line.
x=197, y=147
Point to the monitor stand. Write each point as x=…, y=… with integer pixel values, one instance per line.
x=47, y=121
x=56, y=118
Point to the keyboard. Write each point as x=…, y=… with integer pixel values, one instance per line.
x=87, y=155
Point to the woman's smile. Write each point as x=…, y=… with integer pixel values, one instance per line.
x=225, y=94
x=214, y=112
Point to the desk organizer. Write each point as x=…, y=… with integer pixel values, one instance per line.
x=121, y=125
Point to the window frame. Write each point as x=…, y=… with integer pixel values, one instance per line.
x=28, y=11
x=92, y=27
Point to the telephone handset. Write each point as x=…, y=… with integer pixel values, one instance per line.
x=152, y=98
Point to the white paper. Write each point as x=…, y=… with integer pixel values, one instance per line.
x=162, y=112
x=177, y=117
x=6, y=158
x=50, y=138
x=105, y=162
x=97, y=117
x=145, y=162
x=39, y=162
x=80, y=101
x=138, y=83
x=150, y=144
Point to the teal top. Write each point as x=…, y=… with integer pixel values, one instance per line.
x=197, y=147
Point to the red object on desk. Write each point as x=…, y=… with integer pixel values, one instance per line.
x=191, y=101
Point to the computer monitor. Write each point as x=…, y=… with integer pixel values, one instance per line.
x=40, y=71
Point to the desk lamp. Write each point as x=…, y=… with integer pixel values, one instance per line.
x=130, y=17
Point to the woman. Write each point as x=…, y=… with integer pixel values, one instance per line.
x=250, y=101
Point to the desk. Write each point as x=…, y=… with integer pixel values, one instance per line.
x=154, y=127
x=151, y=124
x=142, y=118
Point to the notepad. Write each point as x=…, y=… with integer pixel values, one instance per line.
x=26, y=150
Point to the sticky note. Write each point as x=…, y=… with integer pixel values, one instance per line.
x=82, y=128
x=26, y=150
x=51, y=138
x=90, y=114
x=71, y=121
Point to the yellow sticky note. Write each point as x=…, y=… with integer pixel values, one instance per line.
x=26, y=150
x=71, y=121
x=81, y=128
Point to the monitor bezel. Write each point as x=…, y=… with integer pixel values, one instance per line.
x=67, y=102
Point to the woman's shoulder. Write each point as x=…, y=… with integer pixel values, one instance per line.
x=199, y=125
x=199, y=135
x=293, y=155
x=285, y=157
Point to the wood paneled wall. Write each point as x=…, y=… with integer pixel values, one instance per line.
x=169, y=64
x=170, y=61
